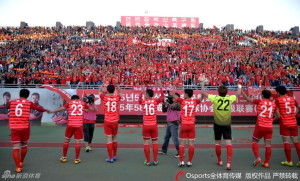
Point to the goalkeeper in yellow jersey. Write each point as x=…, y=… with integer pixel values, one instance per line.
x=222, y=120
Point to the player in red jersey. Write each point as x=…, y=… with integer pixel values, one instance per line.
x=74, y=126
x=288, y=124
x=264, y=125
x=150, y=130
x=187, y=127
x=19, y=126
x=111, y=104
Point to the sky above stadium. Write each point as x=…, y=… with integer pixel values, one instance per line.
x=244, y=14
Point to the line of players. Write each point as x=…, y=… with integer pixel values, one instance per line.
x=284, y=107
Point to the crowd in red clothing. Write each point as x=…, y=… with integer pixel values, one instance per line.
x=75, y=54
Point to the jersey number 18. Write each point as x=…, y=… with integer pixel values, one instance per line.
x=111, y=106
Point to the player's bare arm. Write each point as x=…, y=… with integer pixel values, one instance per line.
x=162, y=96
x=141, y=94
x=174, y=88
x=58, y=110
x=239, y=91
x=203, y=92
x=118, y=88
x=201, y=98
x=246, y=97
x=277, y=115
x=100, y=91
x=298, y=112
x=143, y=89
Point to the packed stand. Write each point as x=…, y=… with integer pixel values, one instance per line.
x=73, y=55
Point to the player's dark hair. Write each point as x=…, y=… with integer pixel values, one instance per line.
x=281, y=90
x=222, y=90
x=24, y=93
x=150, y=92
x=111, y=88
x=75, y=97
x=177, y=94
x=266, y=94
x=189, y=92
x=6, y=94
x=35, y=94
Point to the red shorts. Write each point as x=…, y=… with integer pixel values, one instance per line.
x=150, y=132
x=187, y=131
x=288, y=131
x=111, y=128
x=264, y=132
x=19, y=135
x=76, y=131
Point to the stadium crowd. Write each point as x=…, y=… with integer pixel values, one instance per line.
x=72, y=55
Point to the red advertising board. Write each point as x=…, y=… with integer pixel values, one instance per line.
x=129, y=103
x=169, y=22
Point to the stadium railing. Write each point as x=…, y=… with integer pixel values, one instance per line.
x=75, y=86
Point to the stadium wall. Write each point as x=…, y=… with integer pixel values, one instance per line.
x=130, y=110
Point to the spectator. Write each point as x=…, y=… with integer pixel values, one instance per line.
x=38, y=55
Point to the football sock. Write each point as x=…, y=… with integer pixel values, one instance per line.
x=147, y=152
x=65, y=149
x=268, y=154
x=191, y=153
x=23, y=152
x=229, y=153
x=255, y=149
x=218, y=152
x=288, y=151
x=16, y=156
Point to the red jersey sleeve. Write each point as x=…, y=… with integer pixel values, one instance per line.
x=197, y=101
x=141, y=98
x=35, y=107
x=86, y=106
x=296, y=103
x=256, y=101
x=179, y=100
x=277, y=103
x=102, y=96
x=67, y=105
x=161, y=98
x=8, y=105
x=276, y=107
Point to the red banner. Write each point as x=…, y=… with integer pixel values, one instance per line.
x=65, y=95
x=169, y=22
x=129, y=103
